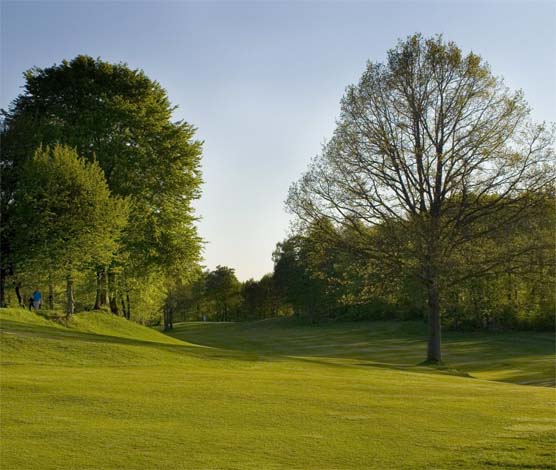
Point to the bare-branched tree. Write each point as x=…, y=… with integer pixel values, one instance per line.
x=439, y=153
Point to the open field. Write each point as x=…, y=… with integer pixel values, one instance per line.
x=105, y=393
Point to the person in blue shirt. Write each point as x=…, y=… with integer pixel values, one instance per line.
x=37, y=299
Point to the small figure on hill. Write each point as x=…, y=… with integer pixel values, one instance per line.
x=37, y=299
x=30, y=303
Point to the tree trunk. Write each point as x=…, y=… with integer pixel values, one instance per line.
x=102, y=289
x=122, y=302
x=432, y=262
x=97, y=298
x=168, y=319
x=434, y=354
x=18, y=294
x=70, y=303
x=3, y=288
x=125, y=305
x=50, y=293
x=50, y=296
x=113, y=291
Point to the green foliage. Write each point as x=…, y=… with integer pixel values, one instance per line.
x=218, y=295
x=222, y=291
x=302, y=287
x=322, y=274
x=148, y=295
x=64, y=216
x=260, y=299
x=323, y=269
x=121, y=120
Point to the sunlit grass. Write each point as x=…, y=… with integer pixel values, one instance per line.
x=106, y=394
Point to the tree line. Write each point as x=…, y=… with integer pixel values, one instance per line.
x=318, y=278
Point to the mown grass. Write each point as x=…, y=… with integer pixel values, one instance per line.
x=108, y=394
x=517, y=357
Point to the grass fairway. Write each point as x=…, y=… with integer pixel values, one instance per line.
x=108, y=394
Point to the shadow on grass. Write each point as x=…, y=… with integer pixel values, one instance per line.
x=386, y=345
x=517, y=357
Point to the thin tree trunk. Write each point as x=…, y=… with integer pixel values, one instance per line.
x=113, y=292
x=18, y=294
x=97, y=298
x=50, y=293
x=434, y=354
x=70, y=303
x=50, y=296
x=432, y=262
x=3, y=288
x=101, y=299
x=168, y=313
x=103, y=288
x=122, y=302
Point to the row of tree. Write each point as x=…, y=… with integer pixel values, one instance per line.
x=219, y=296
x=97, y=185
x=319, y=278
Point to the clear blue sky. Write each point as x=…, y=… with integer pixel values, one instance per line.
x=263, y=81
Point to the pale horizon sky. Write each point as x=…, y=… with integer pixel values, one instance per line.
x=262, y=81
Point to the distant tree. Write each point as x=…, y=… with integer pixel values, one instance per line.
x=121, y=119
x=260, y=298
x=64, y=216
x=300, y=285
x=252, y=299
x=223, y=289
x=438, y=152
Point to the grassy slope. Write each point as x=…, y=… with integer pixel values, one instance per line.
x=106, y=394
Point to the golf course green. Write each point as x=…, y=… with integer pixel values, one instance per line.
x=105, y=393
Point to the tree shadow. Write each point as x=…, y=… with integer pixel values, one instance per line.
x=516, y=357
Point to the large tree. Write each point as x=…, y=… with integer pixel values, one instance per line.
x=438, y=152
x=121, y=119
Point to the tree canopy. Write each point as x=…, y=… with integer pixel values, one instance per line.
x=122, y=120
x=64, y=216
